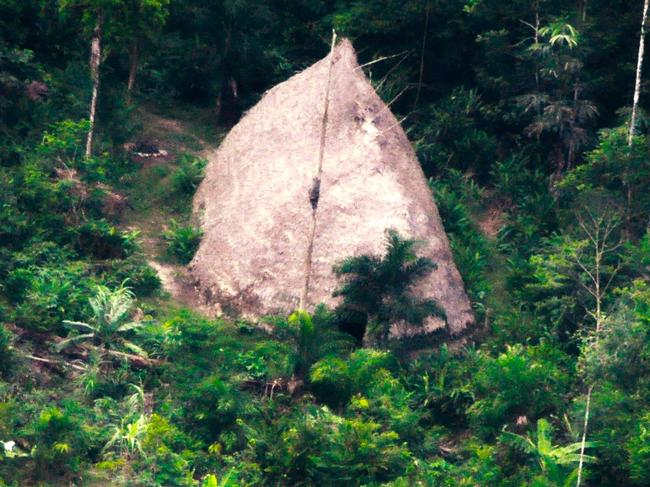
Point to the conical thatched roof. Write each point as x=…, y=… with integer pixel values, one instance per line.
x=255, y=203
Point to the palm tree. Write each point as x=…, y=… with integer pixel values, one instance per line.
x=127, y=436
x=558, y=109
x=552, y=460
x=306, y=339
x=111, y=320
x=314, y=336
x=379, y=287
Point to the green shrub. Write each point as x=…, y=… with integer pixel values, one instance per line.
x=482, y=467
x=168, y=456
x=189, y=174
x=313, y=446
x=530, y=211
x=330, y=381
x=210, y=407
x=254, y=364
x=516, y=178
x=522, y=381
x=440, y=382
x=100, y=239
x=134, y=270
x=613, y=424
x=6, y=351
x=20, y=267
x=188, y=333
x=386, y=401
x=555, y=465
x=518, y=325
x=334, y=380
x=560, y=286
x=182, y=241
x=525, y=227
x=52, y=295
x=357, y=451
x=312, y=336
x=621, y=170
x=458, y=197
x=61, y=440
x=65, y=139
x=620, y=351
x=45, y=203
x=17, y=284
x=269, y=359
x=449, y=134
x=638, y=448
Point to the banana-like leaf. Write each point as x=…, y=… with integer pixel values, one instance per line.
x=73, y=340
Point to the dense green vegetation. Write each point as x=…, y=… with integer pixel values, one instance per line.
x=520, y=114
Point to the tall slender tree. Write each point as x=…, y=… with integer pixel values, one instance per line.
x=427, y=12
x=138, y=25
x=637, y=83
x=559, y=110
x=635, y=109
x=595, y=275
x=95, y=14
x=95, y=63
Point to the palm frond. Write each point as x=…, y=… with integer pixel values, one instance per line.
x=134, y=348
x=544, y=434
x=80, y=324
x=519, y=442
x=132, y=325
x=63, y=344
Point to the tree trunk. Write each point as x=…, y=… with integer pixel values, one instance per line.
x=582, y=17
x=583, y=442
x=581, y=14
x=598, y=291
x=95, y=61
x=427, y=11
x=635, y=110
x=218, y=105
x=133, y=65
x=537, y=81
x=637, y=84
x=559, y=162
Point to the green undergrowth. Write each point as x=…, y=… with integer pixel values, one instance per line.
x=107, y=380
x=520, y=115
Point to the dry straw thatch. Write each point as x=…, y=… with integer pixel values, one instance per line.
x=256, y=203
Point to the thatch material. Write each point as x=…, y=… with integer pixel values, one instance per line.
x=256, y=202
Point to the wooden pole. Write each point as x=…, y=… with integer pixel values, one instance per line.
x=314, y=192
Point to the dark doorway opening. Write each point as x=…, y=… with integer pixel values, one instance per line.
x=353, y=322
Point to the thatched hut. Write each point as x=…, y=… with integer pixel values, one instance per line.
x=289, y=193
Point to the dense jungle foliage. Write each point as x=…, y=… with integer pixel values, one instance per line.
x=520, y=112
